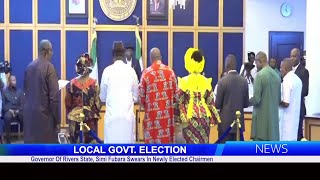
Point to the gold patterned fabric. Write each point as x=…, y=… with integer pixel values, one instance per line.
x=83, y=98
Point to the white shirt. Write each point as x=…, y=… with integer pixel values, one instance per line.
x=289, y=117
x=129, y=63
x=295, y=68
x=156, y=6
x=4, y=80
x=119, y=90
x=253, y=72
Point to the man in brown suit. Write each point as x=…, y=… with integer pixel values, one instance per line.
x=41, y=114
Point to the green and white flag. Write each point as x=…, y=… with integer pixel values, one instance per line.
x=138, y=45
x=93, y=55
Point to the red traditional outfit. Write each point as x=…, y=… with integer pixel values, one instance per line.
x=157, y=92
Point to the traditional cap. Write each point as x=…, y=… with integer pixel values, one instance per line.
x=118, y=46
x=84, y=64
x=129, y=46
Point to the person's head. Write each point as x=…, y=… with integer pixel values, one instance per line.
x=285, y=67
x=251, y=57
x=273, y=63
x=194, y=61
x=45, y=50
x=155, y=55
x=295, y=56
x=230, y=62
x=303, y=59
x=12, y=81
x=84, y=65
x=118, y=50
x=129, y=51
x=261, y=60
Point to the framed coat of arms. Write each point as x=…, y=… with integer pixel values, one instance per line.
x=118, y=10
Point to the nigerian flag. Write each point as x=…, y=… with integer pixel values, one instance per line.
x=93, y=55
x=138, y=45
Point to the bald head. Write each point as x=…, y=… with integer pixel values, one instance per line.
x=230, y=62
x=155, y=55
x=286, y=66
x=45, y=49
x=261, y=60
x=295, y=56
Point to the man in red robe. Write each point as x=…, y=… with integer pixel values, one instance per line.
x=157, y=92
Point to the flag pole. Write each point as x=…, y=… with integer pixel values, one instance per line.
x=140, y=105
x=95, y=21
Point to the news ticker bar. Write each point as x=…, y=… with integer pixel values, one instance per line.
x=156, y=159
x=306, y=148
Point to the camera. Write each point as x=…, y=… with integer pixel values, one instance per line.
x=5, y=67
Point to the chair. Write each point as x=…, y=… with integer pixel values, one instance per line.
x=16, y=123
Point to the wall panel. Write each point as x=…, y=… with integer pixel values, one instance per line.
x=184, y=17
x=2, y=11
x=48, y=12
x=2, y=42
x=159, y=40
x=76, y=45
x=182, y=41
x=54, y=37
x=21, y=52
x=233, y=13
x=21, y=11
x=209, y=45
x=233, y=44
x=208, y=13
x=105, y=43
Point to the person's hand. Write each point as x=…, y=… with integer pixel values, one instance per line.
x=58, y=128
x=17, y=111
x=12, y=112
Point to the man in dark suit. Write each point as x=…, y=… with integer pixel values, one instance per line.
x=232, y=96
x=131, y=61
x=12, y=105
x=157, y=7
x=303, y=74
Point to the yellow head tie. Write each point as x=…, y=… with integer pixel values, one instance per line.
x=191, y=65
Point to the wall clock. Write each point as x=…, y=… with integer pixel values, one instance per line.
x=286, y=10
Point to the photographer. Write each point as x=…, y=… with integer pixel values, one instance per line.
x=248, y=71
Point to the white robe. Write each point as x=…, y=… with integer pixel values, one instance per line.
x=119, y=90
x=289, y=117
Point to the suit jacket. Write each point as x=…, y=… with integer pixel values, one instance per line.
x=232, y=96
x=303, y=74
x=136, y=66
x=160, y=9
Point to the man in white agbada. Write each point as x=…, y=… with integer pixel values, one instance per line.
x=119, y=90
x=290, y=102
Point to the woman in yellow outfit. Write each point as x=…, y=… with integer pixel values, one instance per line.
x=195, y=109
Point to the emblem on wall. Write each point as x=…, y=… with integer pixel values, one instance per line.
x=118, y=10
